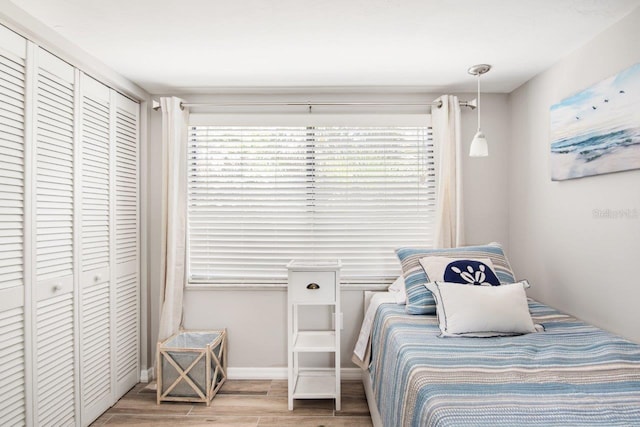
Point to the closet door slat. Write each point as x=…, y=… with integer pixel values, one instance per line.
x=127, y=245
x=55, y=360
x=12, y=126
x=12, y=231
x=95, y=345
x=96, y=303
x=54, y=336
x=12, y=353
x=54, y=168
x=126, y=181
x=95, y=175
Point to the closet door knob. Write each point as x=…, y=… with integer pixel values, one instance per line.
x=313, y=286
x=56, y=288
x=97, y=278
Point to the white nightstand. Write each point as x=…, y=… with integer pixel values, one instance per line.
x=313, y=283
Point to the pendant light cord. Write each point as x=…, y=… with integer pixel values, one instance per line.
x=479, y=102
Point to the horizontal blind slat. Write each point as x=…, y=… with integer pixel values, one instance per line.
x=260, y=196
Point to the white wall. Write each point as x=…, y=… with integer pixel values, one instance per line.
x=485, y=179
x=256, y=318
x=576, y=262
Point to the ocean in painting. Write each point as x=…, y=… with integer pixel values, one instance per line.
x=598, y=130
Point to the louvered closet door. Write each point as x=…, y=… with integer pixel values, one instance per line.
x=12, y=243
x=127, y=335
x=95, y=291
x=54, y=358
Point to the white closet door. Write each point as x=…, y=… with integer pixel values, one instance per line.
x=55, y=392
x=12, y=384
x=12, y=242
x=95, y=292
x=127, y=335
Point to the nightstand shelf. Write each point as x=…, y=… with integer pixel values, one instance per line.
x=315, y=384
x=311, y=341
x=313, y=283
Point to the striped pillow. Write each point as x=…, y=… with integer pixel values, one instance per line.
x=419, y=298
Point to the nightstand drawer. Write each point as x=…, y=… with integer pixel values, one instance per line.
x=316, y=288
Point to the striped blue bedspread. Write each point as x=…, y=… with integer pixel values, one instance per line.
x=573, y=374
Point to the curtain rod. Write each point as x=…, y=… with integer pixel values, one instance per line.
x=437, y=104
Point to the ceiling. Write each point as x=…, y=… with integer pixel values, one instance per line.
x=191, y=46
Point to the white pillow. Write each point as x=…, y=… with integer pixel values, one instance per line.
x=435, y=266
x=482, y=311
x=399, y=291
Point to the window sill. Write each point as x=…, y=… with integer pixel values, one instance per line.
x=277, y=287
x=201, y=286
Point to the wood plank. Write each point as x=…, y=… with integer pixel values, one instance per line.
x=315, y=421
x=353, y=406
x=260, y=387
x=151, y=420
x=263, y=405
x=241, y=403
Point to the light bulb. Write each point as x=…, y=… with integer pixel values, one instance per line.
x=479, y=147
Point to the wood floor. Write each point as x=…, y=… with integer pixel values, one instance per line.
x=241, y=403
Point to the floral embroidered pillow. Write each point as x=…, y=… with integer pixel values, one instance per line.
x=463, y=271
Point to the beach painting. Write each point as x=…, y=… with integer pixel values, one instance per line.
x=597, y=130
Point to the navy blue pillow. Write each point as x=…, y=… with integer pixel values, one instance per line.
x=470, y=272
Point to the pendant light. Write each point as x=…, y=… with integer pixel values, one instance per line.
x=479, y=147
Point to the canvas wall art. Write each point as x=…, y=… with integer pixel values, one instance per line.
x=597, y=130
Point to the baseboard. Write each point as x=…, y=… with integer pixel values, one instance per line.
x=281, y=373
x=257, y=373
x=147, y=375
x=351, y=373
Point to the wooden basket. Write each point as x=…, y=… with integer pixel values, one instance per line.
x=191, y=366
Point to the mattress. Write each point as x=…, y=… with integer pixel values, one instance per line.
x=570, y=374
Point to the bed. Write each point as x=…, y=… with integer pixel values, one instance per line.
x=572, y=374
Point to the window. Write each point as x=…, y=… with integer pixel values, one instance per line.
x=261, y=196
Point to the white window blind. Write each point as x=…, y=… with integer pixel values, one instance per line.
x=261, y=196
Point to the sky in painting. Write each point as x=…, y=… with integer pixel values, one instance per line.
x=617, y=106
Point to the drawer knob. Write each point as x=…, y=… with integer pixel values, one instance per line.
x=313, y=286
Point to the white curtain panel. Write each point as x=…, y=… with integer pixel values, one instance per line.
x=174, y=213
x=446, y=134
